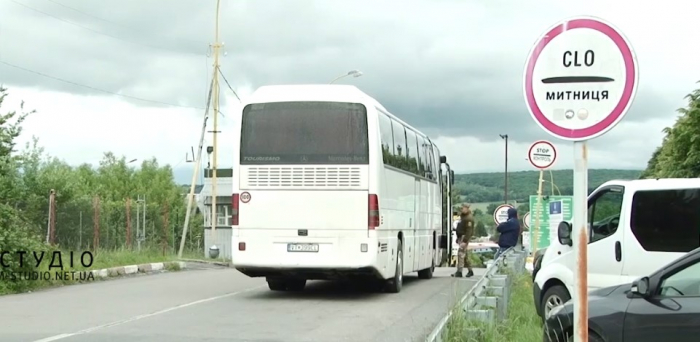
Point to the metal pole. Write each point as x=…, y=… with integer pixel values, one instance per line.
x=143, y=226
x=80, y=232
x=449, y=213
x=580, y=240
x=540, y=210
x=505, y=195
x=194, y=175
x=215, y=100
x=138, y=222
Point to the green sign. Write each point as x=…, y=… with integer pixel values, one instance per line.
x=550, y=211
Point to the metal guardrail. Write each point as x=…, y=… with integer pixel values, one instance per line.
x=488, y=299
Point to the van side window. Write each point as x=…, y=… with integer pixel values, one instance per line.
x=666, y=220
x=604, y=214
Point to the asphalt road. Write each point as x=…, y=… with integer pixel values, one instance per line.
x=222, y=304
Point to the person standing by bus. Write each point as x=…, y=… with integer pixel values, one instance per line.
x=465, y=230
x=510, y=231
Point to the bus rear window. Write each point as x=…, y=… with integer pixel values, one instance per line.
x=304, y=133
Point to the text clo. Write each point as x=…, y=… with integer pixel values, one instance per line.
x=574, y=58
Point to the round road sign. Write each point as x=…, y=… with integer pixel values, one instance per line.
x=542, y=154
x=245, y=197
x=500, y=215
x=526, y=220
x=580, y=79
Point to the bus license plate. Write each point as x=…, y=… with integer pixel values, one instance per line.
x=302, y=247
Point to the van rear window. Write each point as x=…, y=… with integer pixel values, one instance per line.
x=667, y=220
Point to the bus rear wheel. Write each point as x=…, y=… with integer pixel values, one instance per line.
x=277, y=284
x=428, y=272
x=395, y=284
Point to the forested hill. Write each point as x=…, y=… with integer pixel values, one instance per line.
x=488, y=187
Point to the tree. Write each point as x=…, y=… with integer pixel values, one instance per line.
x=679, y=153
x=15, y=232
x=481, y=229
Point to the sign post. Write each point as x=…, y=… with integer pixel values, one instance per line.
x=541, y=155
x=580, y=80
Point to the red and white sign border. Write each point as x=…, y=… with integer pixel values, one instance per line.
x=628, y=93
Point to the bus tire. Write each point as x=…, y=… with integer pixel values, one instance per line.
x=428, y=272
x=395, y=284
x=276, y=284
x=296, y=284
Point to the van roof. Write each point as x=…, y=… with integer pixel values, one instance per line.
x=311, y=92
x=656, y=183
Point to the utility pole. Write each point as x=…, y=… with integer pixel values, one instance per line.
x=214, y=250
x=505, y=191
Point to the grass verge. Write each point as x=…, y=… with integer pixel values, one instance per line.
x=101, y=259
x=522, y=324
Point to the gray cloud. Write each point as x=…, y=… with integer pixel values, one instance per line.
x=450, y=68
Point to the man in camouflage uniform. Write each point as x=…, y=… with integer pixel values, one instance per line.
x=465, y=230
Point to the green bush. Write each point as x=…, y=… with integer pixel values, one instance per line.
x=16, y=236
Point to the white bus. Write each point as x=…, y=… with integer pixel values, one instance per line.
x=329, y=185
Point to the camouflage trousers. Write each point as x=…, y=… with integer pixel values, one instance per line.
x=463, y=255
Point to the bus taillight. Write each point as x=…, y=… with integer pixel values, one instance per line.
x=373, y=211
x=234, y=209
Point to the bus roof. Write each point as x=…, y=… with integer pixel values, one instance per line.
x=311, y=92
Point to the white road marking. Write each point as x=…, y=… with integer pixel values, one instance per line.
x=139, y=317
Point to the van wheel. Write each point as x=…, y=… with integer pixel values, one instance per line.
x=428, y=272
x=554, y=296
x=395, y=284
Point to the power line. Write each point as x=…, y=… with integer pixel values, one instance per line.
x=90, y=29
x=109, y=21
x=229, y=84
x=95, y=89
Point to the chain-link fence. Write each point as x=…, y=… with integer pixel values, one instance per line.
x=87, y=223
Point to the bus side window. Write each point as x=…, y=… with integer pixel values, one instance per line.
x=423, y=160
x=412, y=152
x=387, y=138
x=399, y=145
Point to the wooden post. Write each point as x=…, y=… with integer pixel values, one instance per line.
x=52, y=217
x=128, y=223
x=166, y=218
x=96, y=223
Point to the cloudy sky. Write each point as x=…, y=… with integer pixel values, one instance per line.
x=452, y=68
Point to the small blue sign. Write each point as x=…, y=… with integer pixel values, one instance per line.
x=555, y=208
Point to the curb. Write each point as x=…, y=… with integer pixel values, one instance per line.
x=134, y=269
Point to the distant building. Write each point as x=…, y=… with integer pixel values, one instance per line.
x=224, y=189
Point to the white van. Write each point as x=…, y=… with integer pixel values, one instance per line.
x=635, y=227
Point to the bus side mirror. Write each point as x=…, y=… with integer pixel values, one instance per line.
x=443, y=241
x=452, y=177
x=564, y=233
x=443, y=159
